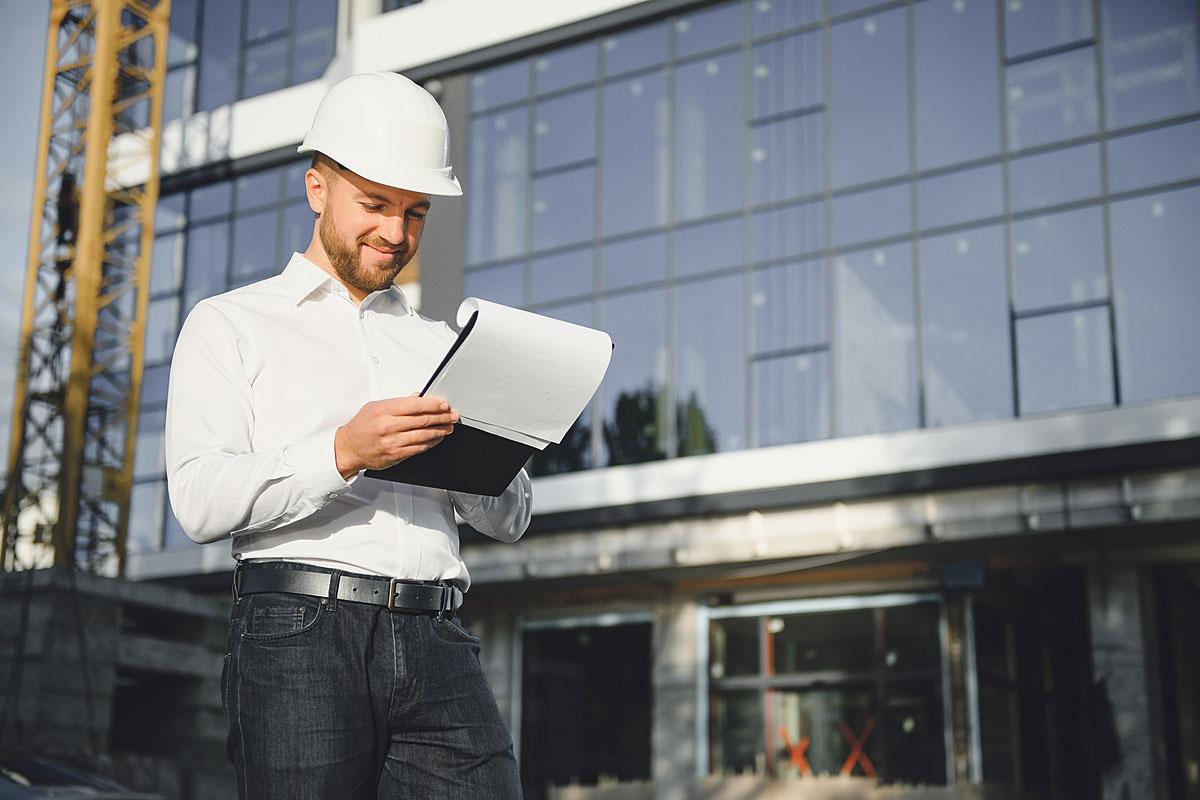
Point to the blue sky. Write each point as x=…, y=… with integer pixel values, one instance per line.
x=23, y=42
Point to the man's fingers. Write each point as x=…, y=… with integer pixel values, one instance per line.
x=414, y=406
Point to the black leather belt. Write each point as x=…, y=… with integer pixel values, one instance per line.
x=395, y=594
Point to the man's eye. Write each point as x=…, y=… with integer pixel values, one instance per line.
x=371, y=207
x=417, y=215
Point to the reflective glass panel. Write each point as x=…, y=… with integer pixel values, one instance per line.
x=709, y=29
x=789, y=305
x=632, y=261
x=831, y=641
x=878, y=214
x=737, y=732
x=964, y=304
x=263, y=18
x=1151, y=68
x=297, y=232
x=708, y=246
x=636, y=153
x=179, y=93
x=837, y=7
x=1064, y=360
x=166, y=263
x=181, y=38
x=1051, y=178
x=710, y=366
x=1157, y=156
x=1052, y=98
x=564, y=129
x=154, y=385
x=790, y=231
x=708, y=138
x=874, y=341
x=168, y=214
x=504, y=284
x=912, y=638
x=162, y=326
x=254, y=243
x=293, y=180
x=500, y=85
x=210, y=201
x=257, y=189
x=734, y=647
x=557, y=199
x=1156, y=269
x=958, y=85
x=912, y=733
x=220, y=40
x=1032, y=25
x=500, y=174
x=825, y=717
x=149, y=457
x=207, y=254
x=791, y=399
x=633, y=395
x=562, y=275
x=315, y=37
x=769, y=16
x=641, y=47
x=146, y=517
x=1058, y=259
x=786, y=74
x=869, y=95
x=570, y=66
x=963, y=196
x=787, y=159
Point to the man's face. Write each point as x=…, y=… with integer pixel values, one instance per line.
x=369, y=230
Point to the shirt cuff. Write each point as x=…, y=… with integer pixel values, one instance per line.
x=316, y=466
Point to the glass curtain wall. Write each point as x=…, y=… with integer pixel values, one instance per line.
x=220, y=51
x=207, y=239
x=803, y=219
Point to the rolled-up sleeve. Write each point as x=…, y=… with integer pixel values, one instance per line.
x=504, y=517
x=217, y=484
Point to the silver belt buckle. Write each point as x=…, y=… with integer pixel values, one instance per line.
x=391, y=599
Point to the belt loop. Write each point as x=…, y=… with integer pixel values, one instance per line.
x=237, y=583
x=335, y=579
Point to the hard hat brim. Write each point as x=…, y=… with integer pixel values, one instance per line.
x=414, y=179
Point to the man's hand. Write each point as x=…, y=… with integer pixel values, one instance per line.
x=385, y=432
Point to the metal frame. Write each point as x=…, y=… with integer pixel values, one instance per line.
x=80, y=366
x=706, y=614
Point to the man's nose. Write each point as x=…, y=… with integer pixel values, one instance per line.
x=393, y=229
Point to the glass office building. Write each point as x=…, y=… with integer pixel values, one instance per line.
x=899, y=444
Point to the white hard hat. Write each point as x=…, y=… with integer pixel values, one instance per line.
x=387, y=129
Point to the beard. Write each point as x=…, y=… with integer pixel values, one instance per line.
x=346, y=262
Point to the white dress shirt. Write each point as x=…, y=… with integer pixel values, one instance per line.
x=261, y=379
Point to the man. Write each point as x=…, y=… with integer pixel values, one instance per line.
x=347, y=675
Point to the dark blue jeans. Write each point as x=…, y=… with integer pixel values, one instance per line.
x=331, y=700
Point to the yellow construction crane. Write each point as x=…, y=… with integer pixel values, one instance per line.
x=70, y=464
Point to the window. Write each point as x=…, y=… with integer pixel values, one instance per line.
x=837, y=686
x=577, y=701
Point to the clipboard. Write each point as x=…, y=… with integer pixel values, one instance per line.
x=518, y=381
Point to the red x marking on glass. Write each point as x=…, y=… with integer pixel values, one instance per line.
x=796, y=751
x=858, y=753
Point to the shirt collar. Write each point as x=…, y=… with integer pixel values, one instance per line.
x=302, y=278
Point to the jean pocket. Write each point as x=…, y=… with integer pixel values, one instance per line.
x=455, y=628
x=274, y=615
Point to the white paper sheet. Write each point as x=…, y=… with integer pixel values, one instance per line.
x=521, y=375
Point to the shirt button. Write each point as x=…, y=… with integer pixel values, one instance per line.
x=331, y=496
x=376, y=360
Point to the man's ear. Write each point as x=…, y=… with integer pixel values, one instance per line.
x=316, y=188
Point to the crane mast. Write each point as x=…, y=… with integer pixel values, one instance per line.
x=75, y=411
